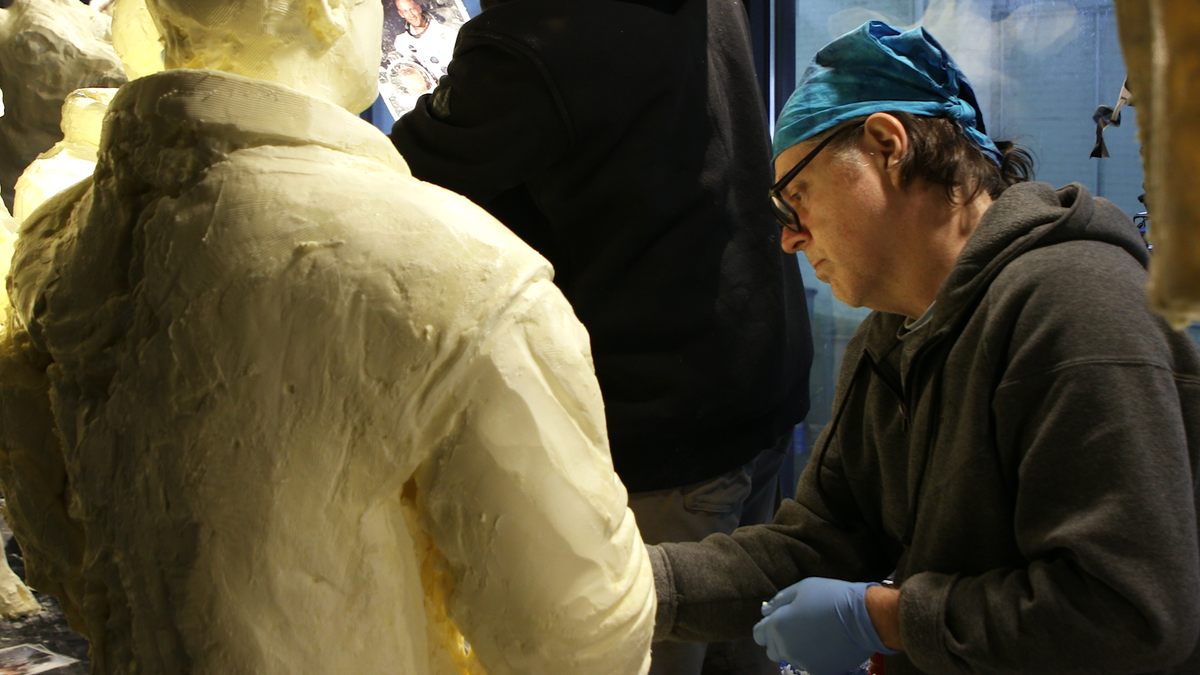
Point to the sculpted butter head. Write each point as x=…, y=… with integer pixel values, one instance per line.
x=325, y=48
x=48, y=48
x=71, y=159
x=135, y=38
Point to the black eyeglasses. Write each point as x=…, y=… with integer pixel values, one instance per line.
x=784, y=213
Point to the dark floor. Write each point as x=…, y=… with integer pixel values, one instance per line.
x=48, y=628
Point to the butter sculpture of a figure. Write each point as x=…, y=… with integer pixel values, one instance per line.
x=1160, y=40
x=48, y=48
x=70, y=160
x=74, y=157
x=15, y=597
x=312, y=415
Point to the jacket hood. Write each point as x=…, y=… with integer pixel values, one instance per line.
x=1027, y=216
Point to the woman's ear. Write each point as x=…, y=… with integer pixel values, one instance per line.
x=884, y=135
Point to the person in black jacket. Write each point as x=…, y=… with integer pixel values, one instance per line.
x=626, y=142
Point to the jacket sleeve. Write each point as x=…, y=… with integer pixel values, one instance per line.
x=547, y=569
x=1092, y=416
x=493, y=121
x=714, y=589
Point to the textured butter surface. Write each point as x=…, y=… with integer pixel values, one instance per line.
x=48, y=48
x=1161, y=43
x=300, y=412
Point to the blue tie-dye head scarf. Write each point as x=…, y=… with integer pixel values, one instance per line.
x=877, y=68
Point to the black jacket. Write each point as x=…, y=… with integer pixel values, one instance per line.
x=626, y=142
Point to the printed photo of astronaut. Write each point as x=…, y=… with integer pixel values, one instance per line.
x=418, y=40
x=30, y=659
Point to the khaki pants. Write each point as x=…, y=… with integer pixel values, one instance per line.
x=746, y=495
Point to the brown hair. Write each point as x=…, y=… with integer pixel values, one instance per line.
x=940, y=152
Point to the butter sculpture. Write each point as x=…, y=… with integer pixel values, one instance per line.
x=73, y=158
x=288, y=409
x=15, y=598
x=1161, y=43
x=48, y=48
x=135, y=39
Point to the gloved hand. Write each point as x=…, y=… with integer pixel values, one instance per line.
x=820, y=625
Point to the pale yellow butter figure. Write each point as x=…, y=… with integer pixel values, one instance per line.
x=312, y=415
x=73, y=158
x=48, y=48
x=70, y=160
x=1161, y=43
x=15, y=597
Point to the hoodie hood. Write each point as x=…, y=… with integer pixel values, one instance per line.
x=1027, y=216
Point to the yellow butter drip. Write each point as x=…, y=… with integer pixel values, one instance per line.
x=444, y=636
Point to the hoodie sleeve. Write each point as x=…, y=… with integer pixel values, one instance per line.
x=1093, y=414
x=714, y=589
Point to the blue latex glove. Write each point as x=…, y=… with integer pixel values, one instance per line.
x=820, y=625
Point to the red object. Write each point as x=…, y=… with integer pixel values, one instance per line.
x=877, y=667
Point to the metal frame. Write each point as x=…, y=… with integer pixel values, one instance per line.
x=773, y=30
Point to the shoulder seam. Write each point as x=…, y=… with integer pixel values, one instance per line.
x=1082, y=362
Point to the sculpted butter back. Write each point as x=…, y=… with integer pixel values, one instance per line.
x=354, y=424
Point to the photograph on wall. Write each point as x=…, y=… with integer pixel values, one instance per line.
x=30, y=659
x=418, y=40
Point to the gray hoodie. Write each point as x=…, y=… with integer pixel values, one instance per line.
x=1024, y=462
